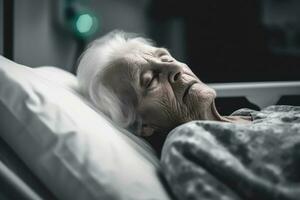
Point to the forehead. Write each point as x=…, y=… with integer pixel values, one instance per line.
x=139, y=60
x=127, y=69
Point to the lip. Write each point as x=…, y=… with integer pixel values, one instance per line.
x=186, y=91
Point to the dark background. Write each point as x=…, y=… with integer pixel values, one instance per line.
x=231, y=41
x=222, y=41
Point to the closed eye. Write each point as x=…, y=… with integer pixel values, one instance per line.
x=166, y=58
x=149, y=79
x=152, y=82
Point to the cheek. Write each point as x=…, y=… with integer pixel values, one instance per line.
x=202, y=91
x=173, y=110
x=165, y=104
x=201, y=97
x=163, y=110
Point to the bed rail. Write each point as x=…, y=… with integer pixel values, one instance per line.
x=261, y=94
x=14, y=186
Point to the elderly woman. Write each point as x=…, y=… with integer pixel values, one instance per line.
x=142, y=88
x=135, y=83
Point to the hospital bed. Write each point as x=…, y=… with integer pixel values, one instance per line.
x=32, y=171
x=16, y=180
x=24, y=177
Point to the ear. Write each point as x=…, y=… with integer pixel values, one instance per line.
x=147, y=130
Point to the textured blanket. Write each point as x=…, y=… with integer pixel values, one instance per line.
x=218, y=160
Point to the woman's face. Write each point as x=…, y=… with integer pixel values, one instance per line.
x=168, y=92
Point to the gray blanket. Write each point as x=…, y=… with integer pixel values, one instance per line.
x=218, y=160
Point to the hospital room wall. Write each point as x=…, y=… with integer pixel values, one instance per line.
x=133, y=16
x=127, y=15
x=38, y=42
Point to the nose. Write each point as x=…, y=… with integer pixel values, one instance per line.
x=174, y=74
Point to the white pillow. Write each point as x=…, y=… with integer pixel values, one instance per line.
x=74, y=150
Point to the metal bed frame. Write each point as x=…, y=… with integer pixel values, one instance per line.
x=16, y=179
x=261, y=94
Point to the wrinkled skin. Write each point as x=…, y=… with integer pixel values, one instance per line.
x=171, y=94
x=167, y=92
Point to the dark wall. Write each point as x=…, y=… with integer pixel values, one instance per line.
x=228, y=41
x=222, y=41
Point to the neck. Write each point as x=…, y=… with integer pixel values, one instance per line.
x=214, y=115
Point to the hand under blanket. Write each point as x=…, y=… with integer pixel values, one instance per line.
x=218, y=160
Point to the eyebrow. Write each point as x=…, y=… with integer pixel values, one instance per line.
x=137, y=71
x=162, y=50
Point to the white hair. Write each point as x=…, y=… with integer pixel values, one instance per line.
x=100, y=55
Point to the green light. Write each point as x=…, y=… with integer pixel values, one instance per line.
x=84, y=23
